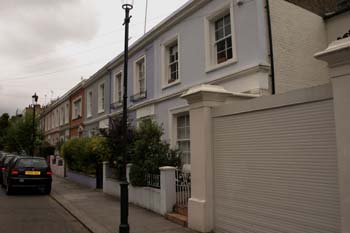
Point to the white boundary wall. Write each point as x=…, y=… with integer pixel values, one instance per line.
x=158, y=200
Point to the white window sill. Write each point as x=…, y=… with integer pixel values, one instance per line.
x=214, y=67
x=171, y=84
x=89, y=116
x=101, y=111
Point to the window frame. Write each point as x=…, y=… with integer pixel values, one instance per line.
x=210, y=40
x=136, y=77
x=181, y=140
x=74, y=117
x=67, y=109
x=101, y=105
x=89, y=103
x=165, y=63
x=115, y=93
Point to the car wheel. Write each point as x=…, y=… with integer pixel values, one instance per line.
x=47, y=190
x=9, y=189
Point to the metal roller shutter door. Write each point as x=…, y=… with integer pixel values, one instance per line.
x=276, y=171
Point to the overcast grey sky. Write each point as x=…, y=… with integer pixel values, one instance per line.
x=46, y=46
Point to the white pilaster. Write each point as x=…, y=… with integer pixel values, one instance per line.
x=167, y=189
x=201, y=100
x=338, y=57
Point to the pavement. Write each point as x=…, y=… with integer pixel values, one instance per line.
x=100, y=213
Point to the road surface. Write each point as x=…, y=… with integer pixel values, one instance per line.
x=32, y=212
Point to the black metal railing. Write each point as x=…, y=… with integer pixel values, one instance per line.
x=153, y=180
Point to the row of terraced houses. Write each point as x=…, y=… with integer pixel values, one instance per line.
x=242, y=88
x=219, y=42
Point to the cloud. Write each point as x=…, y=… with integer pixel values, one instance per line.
x=32, y=28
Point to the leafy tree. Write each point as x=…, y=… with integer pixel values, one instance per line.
x=19, y=134
x=150, y=152
x=4, y=124
x=46, y=149
x=84, y=154
x=115, y=141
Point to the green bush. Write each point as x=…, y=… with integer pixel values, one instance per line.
x=149, y=152
x=46, y=149
x=83, y=154
x=115, y=143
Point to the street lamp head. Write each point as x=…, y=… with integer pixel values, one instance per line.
x=35, y=98
x=127, y=4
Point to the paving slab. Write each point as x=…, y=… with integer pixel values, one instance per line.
x=100, y=212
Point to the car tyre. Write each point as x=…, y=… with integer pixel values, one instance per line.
x=9, y=189
x=47, y=190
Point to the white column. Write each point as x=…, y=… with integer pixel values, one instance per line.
x=104, y=168
x=128, y=167
x=201, y=204
x=338, y=57
x=167, y=189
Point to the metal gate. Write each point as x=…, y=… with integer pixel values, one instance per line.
x=183, y=187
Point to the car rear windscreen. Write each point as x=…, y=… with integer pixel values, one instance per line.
x=7, y=159
x=36, y=163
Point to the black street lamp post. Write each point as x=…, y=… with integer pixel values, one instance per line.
x=35, y=101
x=124, y=200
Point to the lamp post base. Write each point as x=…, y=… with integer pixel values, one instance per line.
x=124, y=228
x=124, y=207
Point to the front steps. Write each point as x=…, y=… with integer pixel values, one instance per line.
x=179, y=216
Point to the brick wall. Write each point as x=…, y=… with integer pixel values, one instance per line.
x=297, y=35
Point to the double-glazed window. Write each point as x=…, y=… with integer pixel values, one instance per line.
x=183, y=138
x=223, y=38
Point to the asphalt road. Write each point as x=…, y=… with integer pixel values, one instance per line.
x=32, y=212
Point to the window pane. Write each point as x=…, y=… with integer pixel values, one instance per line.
x=222, y=56
x=219, y=23
x=227, y=19
x=221, y=46
x=229, y=53
x=219, y=34
x=228, y=43
x=227, y=30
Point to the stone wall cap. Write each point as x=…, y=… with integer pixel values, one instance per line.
x=166, y=168
x=214, y=89
x=335, y=46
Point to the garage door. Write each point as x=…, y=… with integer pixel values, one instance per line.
x=276, y=170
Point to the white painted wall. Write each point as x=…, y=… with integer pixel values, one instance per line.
x=158, y=200
x=57, y=170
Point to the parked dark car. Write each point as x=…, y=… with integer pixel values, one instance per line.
x=5, y=158
x=27, y=172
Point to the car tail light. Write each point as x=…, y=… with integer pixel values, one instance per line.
x=49, y=173
x=3, y=168
x=14, y=172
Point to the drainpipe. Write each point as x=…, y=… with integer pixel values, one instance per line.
x=273, y=88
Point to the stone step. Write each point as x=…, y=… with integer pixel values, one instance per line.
x=177, y=218
x=183, y=210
